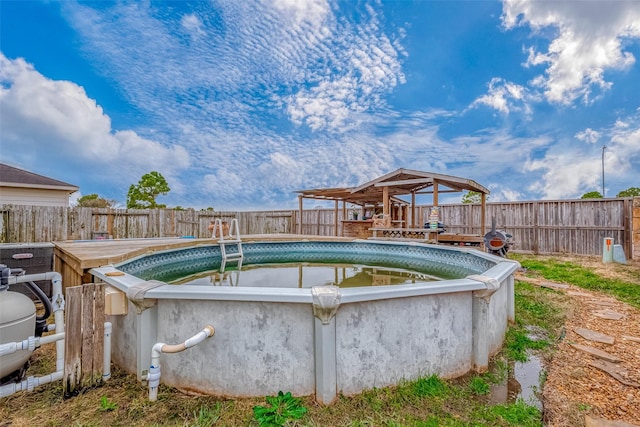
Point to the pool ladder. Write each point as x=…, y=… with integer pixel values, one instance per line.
x=234, y=239
x=229, y=278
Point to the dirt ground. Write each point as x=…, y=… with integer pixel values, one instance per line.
x=575, y=391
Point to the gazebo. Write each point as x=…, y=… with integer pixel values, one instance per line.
x=384, y=193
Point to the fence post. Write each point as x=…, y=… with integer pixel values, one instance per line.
x=536, y=229
x=635, y=230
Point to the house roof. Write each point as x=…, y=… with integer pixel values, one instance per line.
x=14, y=177
x=399, y=182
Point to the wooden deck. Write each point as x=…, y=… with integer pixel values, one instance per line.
x=74, y=259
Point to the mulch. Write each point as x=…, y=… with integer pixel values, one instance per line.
x=576, y=386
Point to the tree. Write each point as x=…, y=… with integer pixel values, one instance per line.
x=472, y=197
x=629, y=192
x=592, y=195
x=94, y=201
x=143, y=194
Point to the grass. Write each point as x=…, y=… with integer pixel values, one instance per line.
x=207, y=416
x=479, y=386
x=558, y=270
x=431, y=386
x=423, y=402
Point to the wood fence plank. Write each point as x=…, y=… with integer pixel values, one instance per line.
x=87, y=335
x=73, y=341
x=98, y=333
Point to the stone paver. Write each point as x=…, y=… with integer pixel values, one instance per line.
x=554, y=285
x=597, y=352
x=603, y=303
x=615, y=370
x=578, y=294
x=594, y=336
x=601, y=422
x=608, y=314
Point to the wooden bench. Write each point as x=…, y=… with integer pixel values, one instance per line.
x=461, y=239
x=427, y=234
x=405, y=233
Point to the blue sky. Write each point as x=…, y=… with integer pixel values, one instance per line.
x=239, y=104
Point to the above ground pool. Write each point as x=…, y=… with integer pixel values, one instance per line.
x=445, y=312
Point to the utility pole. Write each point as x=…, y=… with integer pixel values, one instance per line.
x=604, y=147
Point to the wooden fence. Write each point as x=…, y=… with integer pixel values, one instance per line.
x=45, y=224
x=543, y=226
x=550, y=226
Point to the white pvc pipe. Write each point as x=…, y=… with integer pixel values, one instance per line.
x=106, y=368
x=58, y=313
x=30, y=383
x=57, y=302
x=30, y=343
x=154, y=371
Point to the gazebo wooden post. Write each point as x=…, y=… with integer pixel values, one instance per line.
x=385, y=201
x=435, y=193
x=483, y=199
x=300, y=214
x=335, y=219
x=413, y=209
x=344, y=215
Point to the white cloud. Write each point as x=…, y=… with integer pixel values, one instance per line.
x=588, y=135
x=321, y=71
x=505, y=97
x=257, y=63
x=283, y=170
x=192, y=24
x=501, y=193
x=570, y=173
x=588, y=39
x=623, y=151
x=313, y=12
x=54, y=119
x=223, y=184
x=74, y=197
x=565, y=175
x=360, y=67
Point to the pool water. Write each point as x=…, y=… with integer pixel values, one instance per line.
x=306, y=275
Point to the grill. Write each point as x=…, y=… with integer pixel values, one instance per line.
x=497, y=242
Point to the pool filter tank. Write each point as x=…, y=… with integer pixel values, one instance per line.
x=17, y=323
